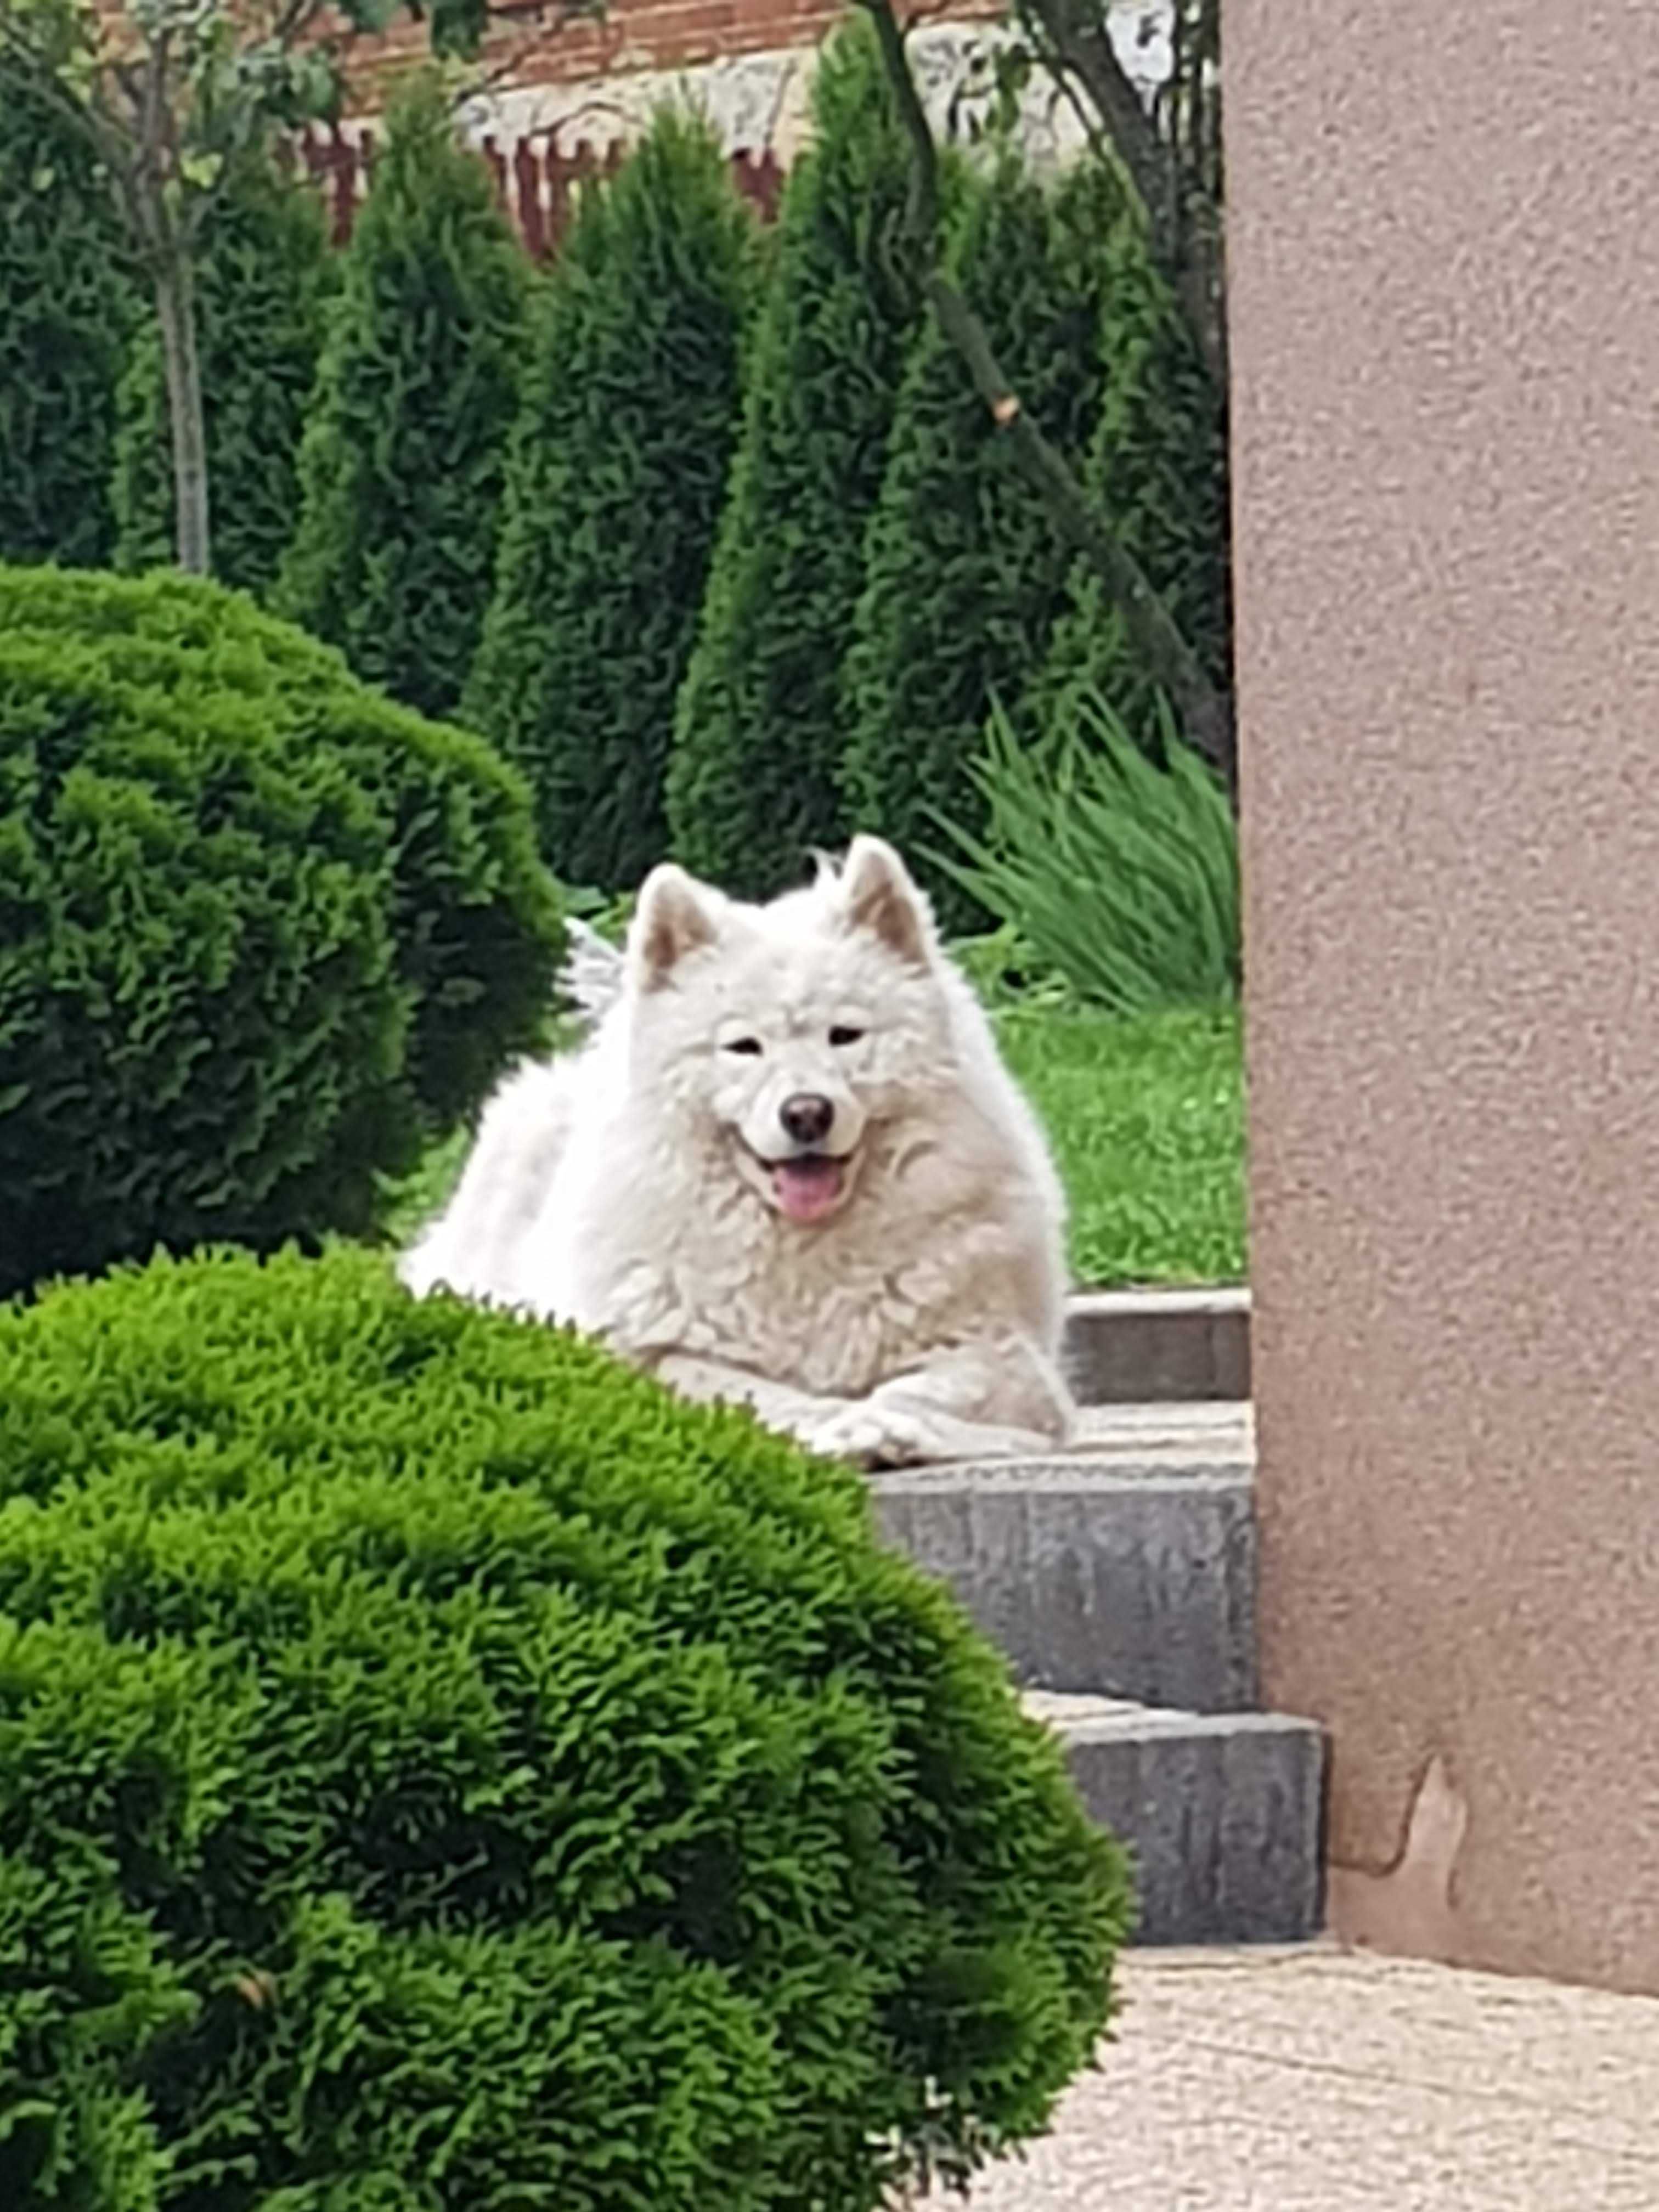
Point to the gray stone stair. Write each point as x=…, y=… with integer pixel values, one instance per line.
x=1119, y=1577
x=1220, y=1813
x=1127, y=1348
x=1141, y=1585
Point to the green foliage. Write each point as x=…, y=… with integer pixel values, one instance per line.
x=1120, y=871
x=262, y=285
x=66, y=307
x=614, y=490
x=262, y=931
x=1145, y=1114
x=1157, y=473
x=965, y=570
x=402, y=462
x=439, y=1770
x=753, y=784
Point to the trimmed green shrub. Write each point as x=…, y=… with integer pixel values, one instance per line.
x=67, y=304
x=614, y=489
x=402, y=462
x=1117, y=870
x=439, y=1770
x=262, y=287
x=965, y=570
x=1157, y=471
x=263, y=933
x=753, y=783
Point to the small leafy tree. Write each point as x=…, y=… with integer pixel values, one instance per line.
x=65, y=305
x=965, y=574
x=401, y=467
x=613, y=495
x=171, y=94
x=263, y=288
x=753, y=781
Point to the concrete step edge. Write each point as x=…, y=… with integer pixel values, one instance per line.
x=1222, y=1814
x=1085, y=1716
x=1126, y=1346
x=1127, y=1584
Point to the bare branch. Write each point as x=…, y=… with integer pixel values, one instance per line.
x=1184, y=236
x=1206, y=712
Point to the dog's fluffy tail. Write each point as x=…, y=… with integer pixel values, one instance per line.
x=591, y=976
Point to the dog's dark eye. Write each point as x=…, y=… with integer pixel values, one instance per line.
x=743, y=1044
x=839, y=1036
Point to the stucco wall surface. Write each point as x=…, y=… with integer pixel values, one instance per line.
x=1444, y=262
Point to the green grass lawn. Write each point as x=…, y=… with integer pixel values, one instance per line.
x=1147, y=1119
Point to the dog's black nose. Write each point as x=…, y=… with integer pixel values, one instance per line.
x=806, y=1117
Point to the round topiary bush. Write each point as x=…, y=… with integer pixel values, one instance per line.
x=437, y=1769
x=262, y=932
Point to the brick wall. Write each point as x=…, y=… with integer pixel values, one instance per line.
x=642, y=35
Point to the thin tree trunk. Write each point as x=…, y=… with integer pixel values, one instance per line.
x=1184, y=229
x=1205, y=711
x=175, y=306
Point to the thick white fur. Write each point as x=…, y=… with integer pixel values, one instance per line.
x=624, y=1188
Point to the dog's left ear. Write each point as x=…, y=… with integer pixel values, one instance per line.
x=879, y=895
x=676, y=914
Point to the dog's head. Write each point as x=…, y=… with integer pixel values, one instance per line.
x=793, y=1031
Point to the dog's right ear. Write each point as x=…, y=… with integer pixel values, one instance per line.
x=675, y=914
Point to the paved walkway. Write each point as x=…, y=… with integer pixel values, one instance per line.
x=1315, y=2082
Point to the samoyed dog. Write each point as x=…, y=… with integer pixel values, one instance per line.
x=787, y=1170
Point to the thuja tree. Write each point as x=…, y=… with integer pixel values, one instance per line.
x=1170, y=161
x=170, y=94
x=262, y=290
x=965, y=574
x=753, y=780
x=1155, y=473
x=613, y=491
x=65, y=305
x=401, y=468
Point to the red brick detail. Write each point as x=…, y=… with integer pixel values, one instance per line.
x=635, y=35
x=538, y=181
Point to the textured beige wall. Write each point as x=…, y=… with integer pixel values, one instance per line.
x=1444, y=243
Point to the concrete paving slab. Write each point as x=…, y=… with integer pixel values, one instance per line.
x=1314, y=2081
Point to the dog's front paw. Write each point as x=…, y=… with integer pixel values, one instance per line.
x=867, y=1437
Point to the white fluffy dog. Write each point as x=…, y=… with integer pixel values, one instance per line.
x=788, y=1169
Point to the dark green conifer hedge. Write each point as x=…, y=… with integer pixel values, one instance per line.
x=965, y=571
x=262, y=287
x=754, y=779
x=68, y=302
x=618, y=468
x=402, y=463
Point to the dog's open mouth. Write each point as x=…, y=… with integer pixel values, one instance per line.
x=809, y=1187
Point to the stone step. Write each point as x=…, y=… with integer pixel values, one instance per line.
x=1220, y=1812
x=1127, y=1566
x=1122, y=1348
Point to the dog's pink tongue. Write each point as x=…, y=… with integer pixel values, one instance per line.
x=807, y=1189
